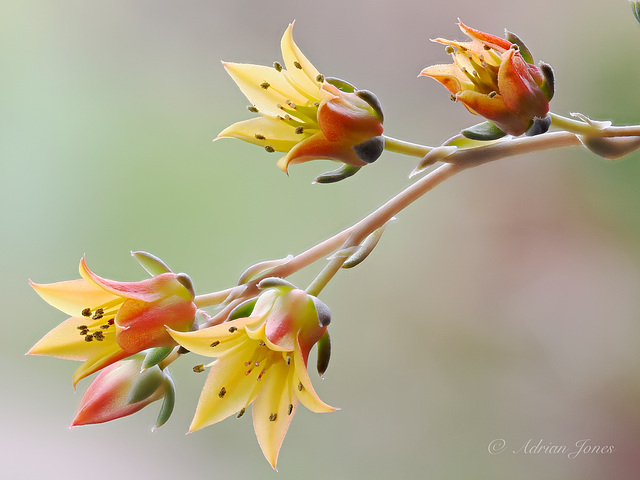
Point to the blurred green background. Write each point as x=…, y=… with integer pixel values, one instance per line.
x=503, y=305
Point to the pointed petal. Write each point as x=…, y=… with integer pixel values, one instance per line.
x=73, y=296
x=147, y=290
x=302, y=72
x=108, y=353
x=303, y=388
x=492, y=41
x=264, y=131
x=519, y=89
x=447, y=75
x=227, y=388
x=65, y=341
x=229, y=334
x=318, y=147
x=271, y=416
x=252, y=80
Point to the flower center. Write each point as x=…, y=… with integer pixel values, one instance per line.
x=103, y=321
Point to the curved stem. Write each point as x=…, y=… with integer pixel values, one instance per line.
x=406, y=148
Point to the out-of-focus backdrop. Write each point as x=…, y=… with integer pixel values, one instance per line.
x=503, y=305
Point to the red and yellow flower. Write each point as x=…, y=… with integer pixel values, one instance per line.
x=305, y=116
x=491, y=78
x=261, y=359
x=112, y=320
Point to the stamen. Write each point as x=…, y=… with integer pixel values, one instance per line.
x=198, y=368
x=261, y=374
x=316, y=104
x=265, y=85
x=215, y=344
x=99, y=313
x=86, y=312
x=277, y=66
x=99, y=336
x=82, y=327
x=320, y=78
x=222, y=392
x=233, y=329
x=300, y=386
x=453, y=98
x=262, y=344
x=273, y=417
x=104, y=327
x=297, y=65
x=290, y=409
x=449, y=49
x=288, y=360
x=260, y=137
x=299, y=130
x=492, y=94
x=252, y=109
x=269, y=149
x=88, y=338
x=241, y=412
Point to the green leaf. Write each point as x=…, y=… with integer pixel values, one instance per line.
x=345, y=171
x=524, y=51
x=483, y=131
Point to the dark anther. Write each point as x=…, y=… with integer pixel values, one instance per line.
x=273, y=417
x=252, y=109
x=320, y=78
x=299, y=130
x=232, y=329
x=222, y=392
x=215, y=344
x=297, y=65
x=290, y=409
x=198, y=368
x=241, y=412
x=265, y=85
x=277, y=66
x=269, y=149
x=86, y=312
x=300, y=386
x=260, y=137
x=88, y=338
x=82, y=327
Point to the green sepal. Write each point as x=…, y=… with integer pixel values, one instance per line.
x=484, y=131
x=373, y=101
x=243, y=310
x=549, y=84
x=322, y=311
x=539, y=126
x=147, y=384
x=340, y=84
x=168, y=403
x=461, y=141
x=154, y=356
x=324, y=353
x=152, y=264
x=524, y=51
x=344, y=171
x=370, y=150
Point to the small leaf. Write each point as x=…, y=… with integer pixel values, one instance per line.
x=600, y=125
x=324, y=353
x=168, y=403
x=147, y=384
x=152, y=264
x=154, y=356
x=549, y=84
x=372, y=100
x=262, y=267
x=524, y=51
x=483, y=131
x=366, y=247
x=432, y=157
x=611, y=148
x=344, y=171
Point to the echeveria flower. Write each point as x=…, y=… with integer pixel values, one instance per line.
x=490, y=76
x=262, y=359
x=112, y=320
x=123, y=388
x=305, y=115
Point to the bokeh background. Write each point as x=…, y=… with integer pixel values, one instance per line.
x=503, y=305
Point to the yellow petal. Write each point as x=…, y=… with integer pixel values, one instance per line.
x=273, y=410
x=303, y=388
x=272, y=132
x=229, y=334
x=104, y=355
x=65, y=341
x=73, y=296
x=227, y=388
x=302, y=72
x=264, y=87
